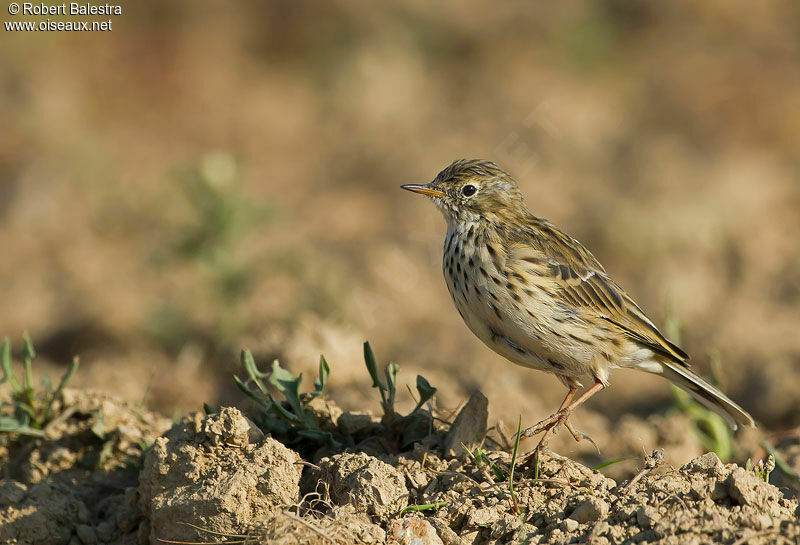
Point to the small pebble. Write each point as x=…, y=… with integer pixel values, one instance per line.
x=647, y=516
x=86, y=534
x=590, y=510
x=105, y=531
x=570, y=525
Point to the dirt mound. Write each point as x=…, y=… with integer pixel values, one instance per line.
x=80, y=481
x=214, y=476
x=244, y=477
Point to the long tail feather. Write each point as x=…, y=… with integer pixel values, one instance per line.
x=703, y=392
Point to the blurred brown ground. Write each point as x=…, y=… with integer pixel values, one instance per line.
x=206, y=177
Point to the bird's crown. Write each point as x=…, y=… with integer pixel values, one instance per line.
x=473, y=190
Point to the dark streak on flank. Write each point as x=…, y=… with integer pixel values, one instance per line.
x=498, y=338
x=496, y=312
x=555, y=364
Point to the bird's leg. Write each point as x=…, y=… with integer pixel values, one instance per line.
x=575, y=435
x=572, y=391
x=552, y=422
x=548, y=422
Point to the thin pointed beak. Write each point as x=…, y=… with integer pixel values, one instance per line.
x=423, y=190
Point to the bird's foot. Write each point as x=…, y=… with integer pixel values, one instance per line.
x=550, y=424
x=545, y=425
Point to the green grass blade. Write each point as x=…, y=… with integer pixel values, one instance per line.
x=8, y=372
x=391, y=380
x=514, y=464
x=322, y=378
x=598, y=467
x=28, y=354
x=65, y=378
x=372, y=368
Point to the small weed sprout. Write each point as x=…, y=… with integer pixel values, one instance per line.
x=409, y=428
x=295, y=423
x=482, y=461
x=515, y=509
x=29, y=411
x=781, y=464
x=762, y=469
x=292, y=414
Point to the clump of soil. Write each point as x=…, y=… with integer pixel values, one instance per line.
x=243, y=476
x=218, y=475
x=79, y=483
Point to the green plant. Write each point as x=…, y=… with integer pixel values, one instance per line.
x=514, y=465
x=296, y=423
x=29, y=411
x=293, y=413
x=762, y=469
x=600, y=466
x=781, y=464
x=480, y=460
x=403, y=429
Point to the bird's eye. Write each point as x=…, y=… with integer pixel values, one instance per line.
x=468, y=190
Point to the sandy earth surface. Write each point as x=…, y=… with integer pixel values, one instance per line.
x=211, y=478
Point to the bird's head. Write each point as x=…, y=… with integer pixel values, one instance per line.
x=471, y=190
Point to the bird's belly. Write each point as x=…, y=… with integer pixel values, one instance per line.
x=526, y=326
x=517, y=330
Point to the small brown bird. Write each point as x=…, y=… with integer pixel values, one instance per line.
x=537, y=297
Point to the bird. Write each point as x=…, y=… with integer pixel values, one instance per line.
x=540, y=299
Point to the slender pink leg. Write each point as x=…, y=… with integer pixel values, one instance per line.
x=551, y=422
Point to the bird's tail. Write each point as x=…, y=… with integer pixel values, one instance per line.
x=703, y=392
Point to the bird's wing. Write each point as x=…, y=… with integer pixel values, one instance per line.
x=580, y=282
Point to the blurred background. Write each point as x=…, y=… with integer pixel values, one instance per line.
x=209, y=176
